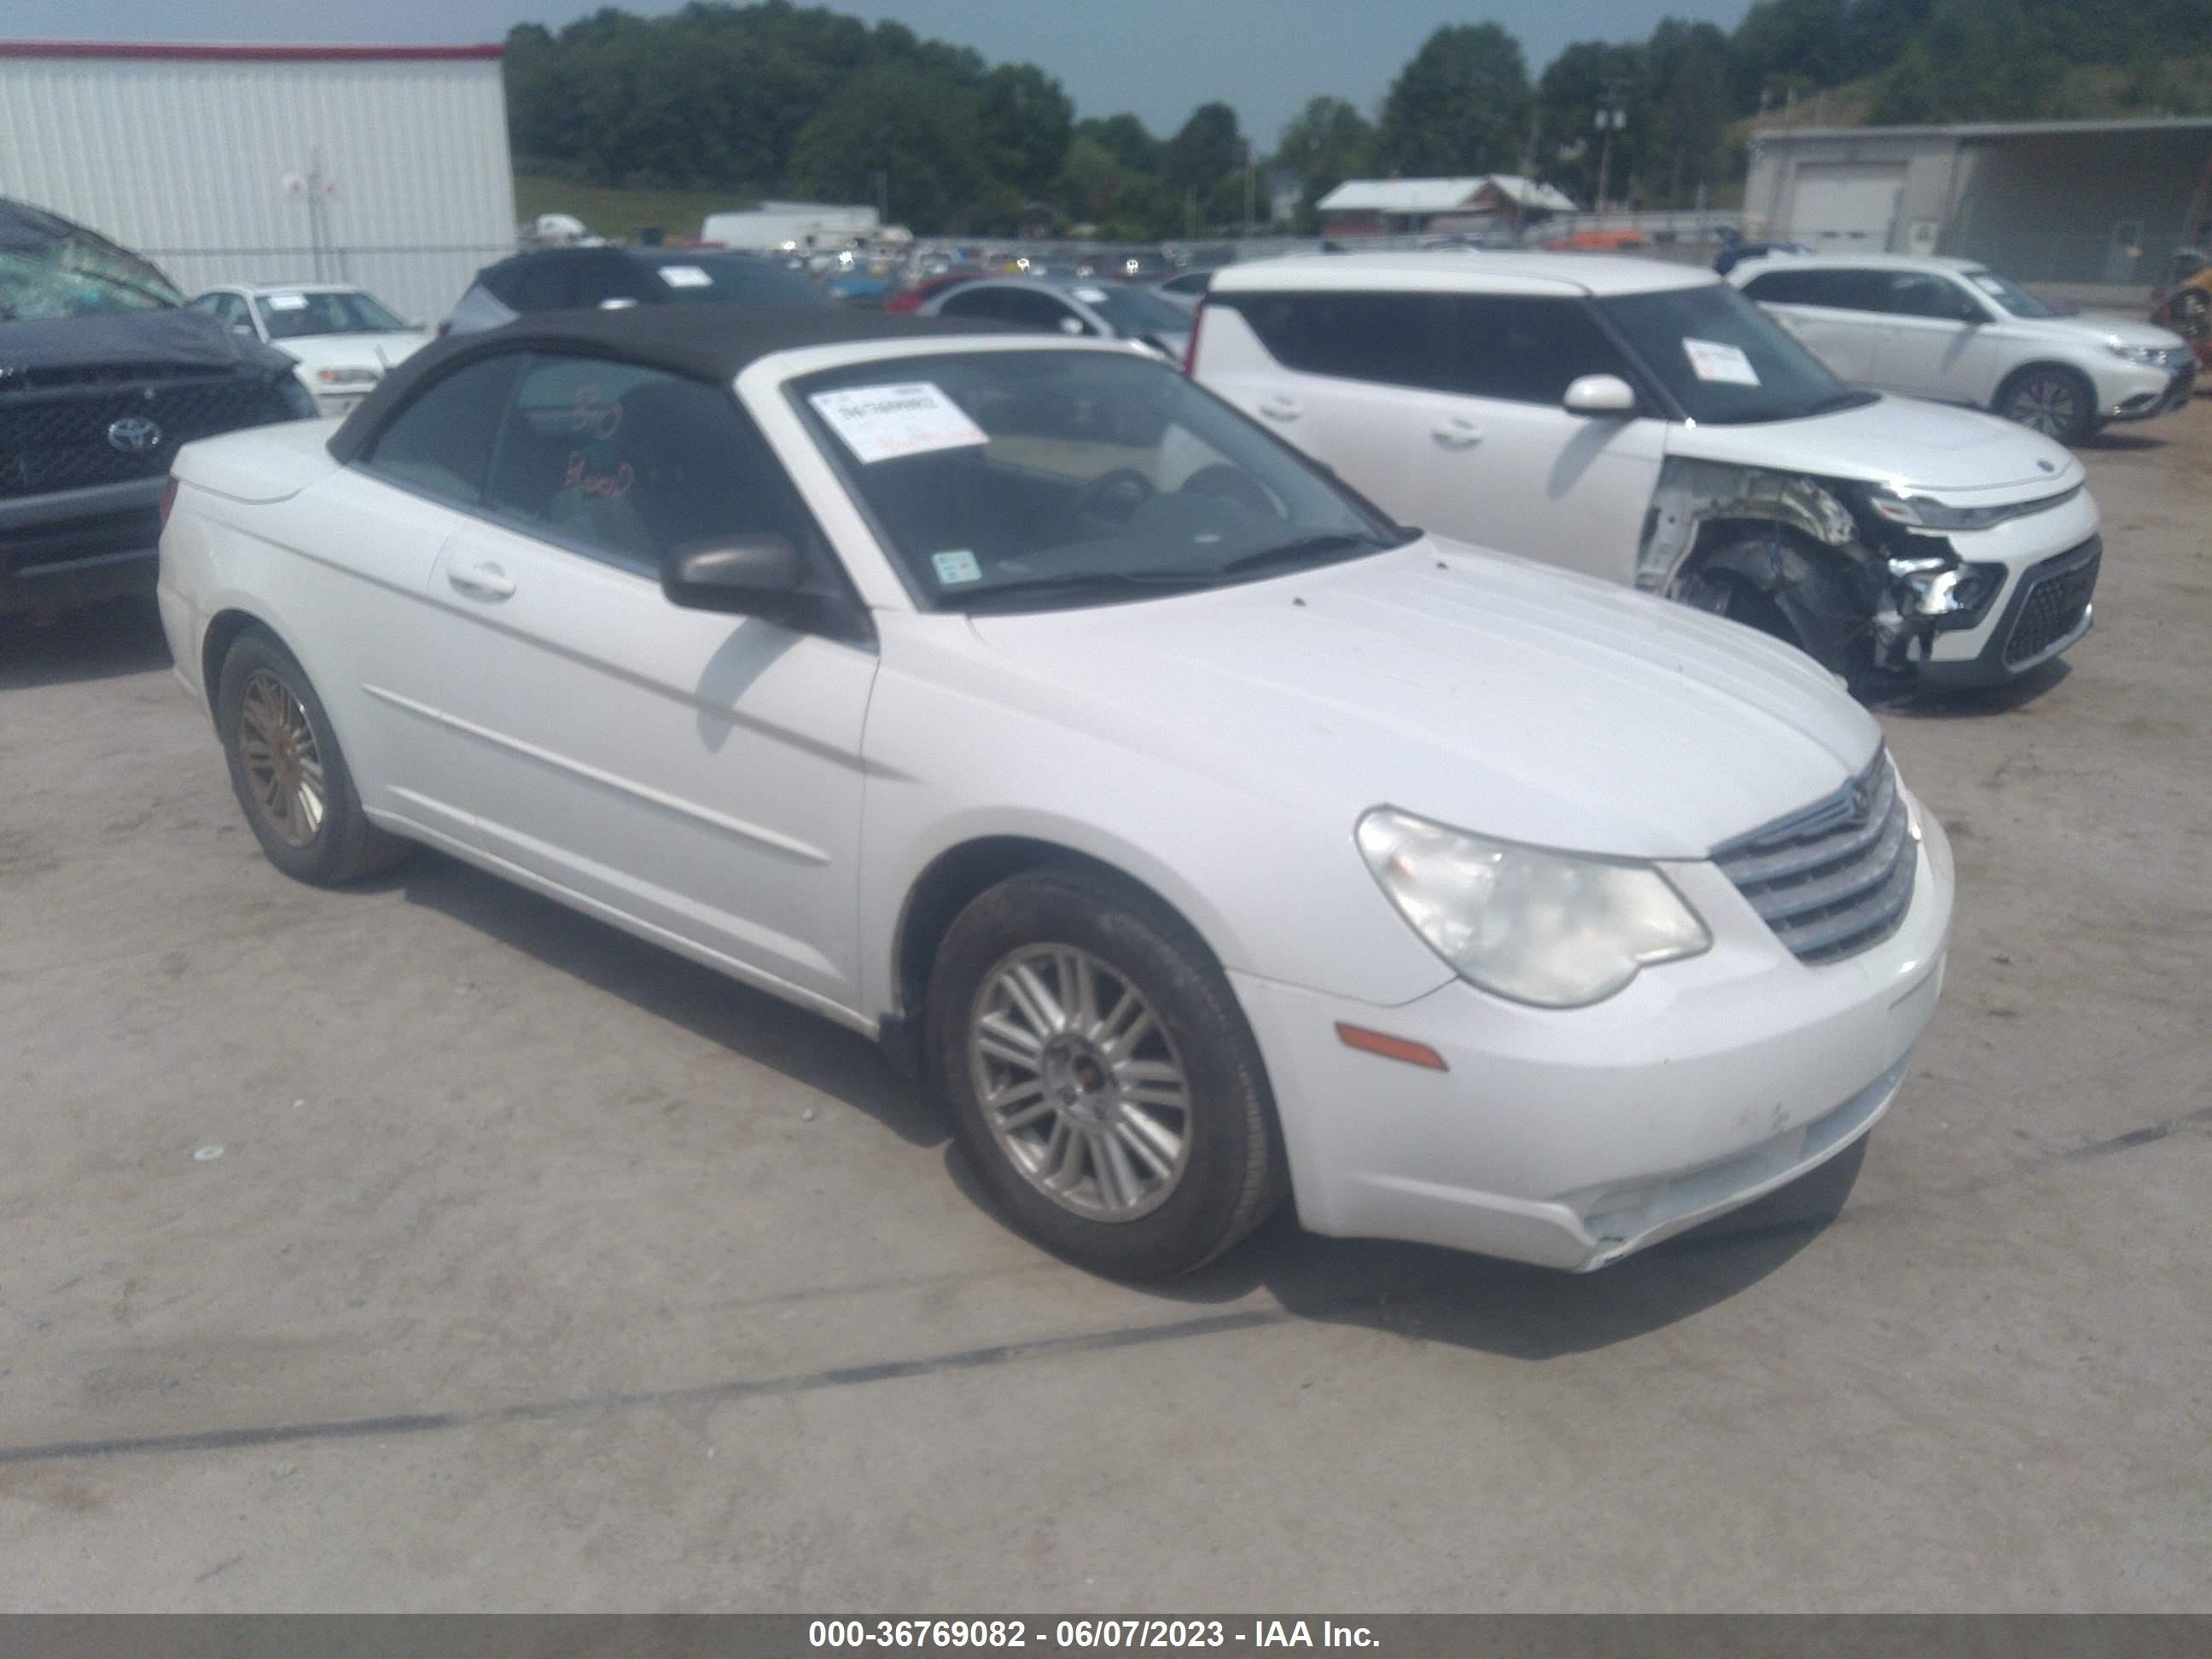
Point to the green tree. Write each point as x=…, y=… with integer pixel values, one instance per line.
x=1126, y=139
x=1459, y=106
x=1204, y=150
x=1324, y=144
x=1025, y=121
x=906, y=126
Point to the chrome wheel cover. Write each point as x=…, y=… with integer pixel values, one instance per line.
x=283, y=768
x=1082, y=1090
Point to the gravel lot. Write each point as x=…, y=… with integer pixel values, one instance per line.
x=541, y=1270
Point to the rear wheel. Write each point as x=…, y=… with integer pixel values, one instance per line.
x=288, y=772
x=2059, y=403
x=1102, y=1079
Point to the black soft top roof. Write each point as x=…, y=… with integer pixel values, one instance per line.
x=706, y=343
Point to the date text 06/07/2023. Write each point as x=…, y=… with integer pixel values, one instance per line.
x=1085, y=1633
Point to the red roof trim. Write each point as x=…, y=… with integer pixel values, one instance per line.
x=241, y=54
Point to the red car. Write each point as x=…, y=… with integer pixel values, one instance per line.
x=913, y=297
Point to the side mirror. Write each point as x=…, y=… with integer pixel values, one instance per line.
x=753, y=575
x=1600, y=394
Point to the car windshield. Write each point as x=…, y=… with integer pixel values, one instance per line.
x=51, y=268
x=1046, y=480
x=2010, y=294
x=1131, y=311
x=729, y=279
x=301, y=316
x=1723, y=359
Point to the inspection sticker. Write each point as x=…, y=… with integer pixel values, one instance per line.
x=686, y=276
x=1712, y=360
x=956, y=566
x=882, y=422
x=285, y=301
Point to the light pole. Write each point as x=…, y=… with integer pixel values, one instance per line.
x=1609, y=121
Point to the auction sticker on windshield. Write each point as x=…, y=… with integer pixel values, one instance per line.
x=1714, y=359
x=286, y=301
x=882, y=422
x=686, y=276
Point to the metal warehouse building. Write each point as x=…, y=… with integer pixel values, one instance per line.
x=2100, y=203
x=383, y=166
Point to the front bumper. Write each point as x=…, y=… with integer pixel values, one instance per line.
x=1573, y=1138
x=2005, y=642
x=2141, y=402
x=76, y=546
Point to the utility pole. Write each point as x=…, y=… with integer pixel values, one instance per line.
x=882, y=197
x=1251, y=185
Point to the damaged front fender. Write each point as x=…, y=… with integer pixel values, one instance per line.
x=1693, y=494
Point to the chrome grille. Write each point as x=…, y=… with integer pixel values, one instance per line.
x=1836, y=879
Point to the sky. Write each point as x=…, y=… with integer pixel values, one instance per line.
x=1158, y=57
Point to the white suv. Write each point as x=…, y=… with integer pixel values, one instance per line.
x=1957, y=332
x=1644, y=423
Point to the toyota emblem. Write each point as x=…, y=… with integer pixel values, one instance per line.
x=134, y=434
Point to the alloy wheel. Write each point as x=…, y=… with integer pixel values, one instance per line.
x=283, y=768
x=2045, y=404
x=1081, y=1088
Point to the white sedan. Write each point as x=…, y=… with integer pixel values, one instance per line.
x=1200, y=835
x=343, y=338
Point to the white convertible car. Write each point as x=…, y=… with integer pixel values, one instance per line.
x=1202, y=836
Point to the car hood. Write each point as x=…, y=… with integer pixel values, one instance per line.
x=376, y=351
x=1897, y=440
x=2120, y=330
x=1490, y=693
x=190, y=339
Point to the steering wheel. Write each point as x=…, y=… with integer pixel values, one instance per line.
x=1115, y=495
x=1229, y=483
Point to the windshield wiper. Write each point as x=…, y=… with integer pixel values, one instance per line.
x=1314, y=547
x=1080, y=582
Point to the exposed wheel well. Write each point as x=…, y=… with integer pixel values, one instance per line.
x=941, y=892
x=222, y=633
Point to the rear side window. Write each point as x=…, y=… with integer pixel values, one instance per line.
x=1024, y=307
x=441, y=443
x=1921, y=294
x=1393, y=339
x=627, y=464
x=1523, y=350
x=1839, y=290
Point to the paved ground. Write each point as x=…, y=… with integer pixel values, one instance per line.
x=613, y=1285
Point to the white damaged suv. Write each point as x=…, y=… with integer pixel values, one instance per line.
x=1644, y=423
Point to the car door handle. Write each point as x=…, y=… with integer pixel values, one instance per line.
x=484, y=579
x=1456, y=434
x=1281, y=408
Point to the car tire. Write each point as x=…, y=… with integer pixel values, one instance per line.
x=1723, y=594
x=1139, y=1140
x=288, y=772
x=2050, y=399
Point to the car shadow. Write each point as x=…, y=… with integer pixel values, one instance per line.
x=803, y=1047
x=2120, y=442
x=92, y=642
x=1408, y=1289
x=1503, y=1308
x=1980, y=702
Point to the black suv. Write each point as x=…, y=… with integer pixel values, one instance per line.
x=582, y=278
x=102, y=376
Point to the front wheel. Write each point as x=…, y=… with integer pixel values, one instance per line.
x=2057, y=401
x=1102, y=1078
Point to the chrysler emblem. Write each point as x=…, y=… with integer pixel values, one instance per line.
x=134, y=434
x=1862, y=798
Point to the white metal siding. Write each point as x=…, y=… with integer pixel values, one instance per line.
x=185, y=160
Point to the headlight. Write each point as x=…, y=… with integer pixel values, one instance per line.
x=1921, y=512
x=2151, y=356
x=1548, y=928
x=346, y=376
